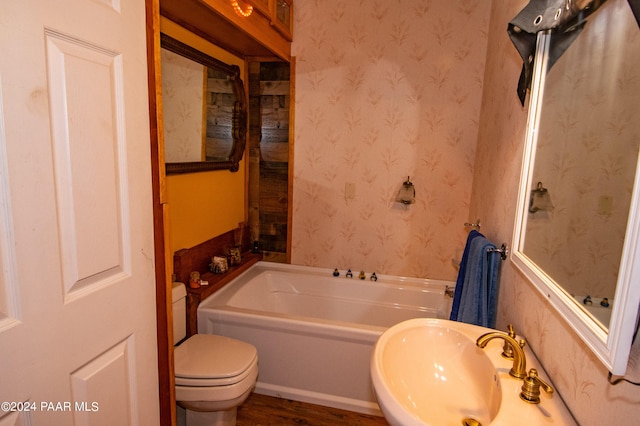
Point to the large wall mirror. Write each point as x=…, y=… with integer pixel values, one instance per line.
x=578, y=228
x=204, y=110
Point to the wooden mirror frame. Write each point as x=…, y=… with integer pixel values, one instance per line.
x=239, y=126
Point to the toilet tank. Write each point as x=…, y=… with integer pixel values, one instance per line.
x=179, y=304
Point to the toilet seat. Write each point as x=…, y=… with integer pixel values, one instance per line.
x=211, y=360
x=216, y=397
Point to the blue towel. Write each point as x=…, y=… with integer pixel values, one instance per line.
x=461, y=274
x=478, y=297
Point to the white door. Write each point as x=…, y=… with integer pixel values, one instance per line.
x=77, y=299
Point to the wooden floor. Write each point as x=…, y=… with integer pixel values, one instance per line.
x=266, y=410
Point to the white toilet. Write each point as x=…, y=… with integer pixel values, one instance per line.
x=213, y=374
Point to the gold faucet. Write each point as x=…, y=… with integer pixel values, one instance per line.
x=531, y=387
x=519, y=369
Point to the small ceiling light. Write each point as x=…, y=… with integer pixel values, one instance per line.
x=239, y=11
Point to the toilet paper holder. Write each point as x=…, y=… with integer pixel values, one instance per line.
x=540, y=199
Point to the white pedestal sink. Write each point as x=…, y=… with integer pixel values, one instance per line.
x=429, y=371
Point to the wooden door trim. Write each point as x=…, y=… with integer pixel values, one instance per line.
x=166, y=380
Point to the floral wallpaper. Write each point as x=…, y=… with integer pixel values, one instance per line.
x=587, y=156
x=182, y=84
x=385, y=90
x=579, y=377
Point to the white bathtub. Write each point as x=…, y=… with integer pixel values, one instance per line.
x=314, y=332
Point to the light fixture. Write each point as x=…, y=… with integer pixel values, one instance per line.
x=407, y=193
x=245, y=13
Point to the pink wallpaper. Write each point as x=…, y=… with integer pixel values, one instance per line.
x=579, y=377
x=385, y=90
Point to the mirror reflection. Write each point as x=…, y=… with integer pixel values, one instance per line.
x=585, y=159
x=204, y=110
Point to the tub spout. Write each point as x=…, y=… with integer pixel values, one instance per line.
x=519, y=369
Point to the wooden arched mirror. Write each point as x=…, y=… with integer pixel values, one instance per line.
x=204, y=110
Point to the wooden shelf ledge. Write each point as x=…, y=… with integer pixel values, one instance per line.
x=216, y=282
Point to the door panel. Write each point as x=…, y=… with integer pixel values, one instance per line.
x=86, y=104
x=77, y=285
x=97, y=381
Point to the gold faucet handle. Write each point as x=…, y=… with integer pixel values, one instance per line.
x=507, y=350
x=531, y=387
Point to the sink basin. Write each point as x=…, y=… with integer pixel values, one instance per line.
x=434, y=374
x=430, y=372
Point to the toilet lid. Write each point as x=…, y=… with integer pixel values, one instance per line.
x=207, y=356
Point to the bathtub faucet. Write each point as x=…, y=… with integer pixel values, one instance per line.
x=519, y=369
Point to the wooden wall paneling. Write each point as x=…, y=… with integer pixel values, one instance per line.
x=198, y=258
x=275, y=103
x=255, y=136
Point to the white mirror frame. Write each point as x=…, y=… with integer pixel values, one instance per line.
x=612, y=347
